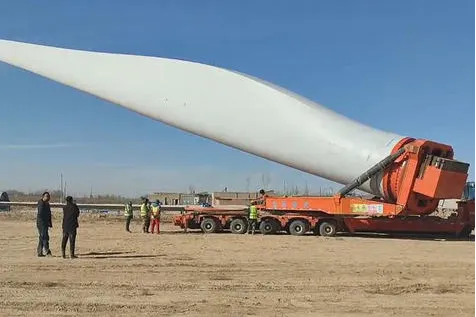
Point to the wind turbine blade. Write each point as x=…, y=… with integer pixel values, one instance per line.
x=231, y=108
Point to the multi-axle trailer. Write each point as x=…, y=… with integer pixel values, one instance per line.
x=426, y=174
x=300, y=222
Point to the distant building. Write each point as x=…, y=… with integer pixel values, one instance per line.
x=166, y=198
x=181, y=198
x=195, y=199
x=227, y=198
x=224, y=198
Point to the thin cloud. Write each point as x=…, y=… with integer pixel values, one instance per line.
x=113, y=165
x=37, y=146
x=61, y=145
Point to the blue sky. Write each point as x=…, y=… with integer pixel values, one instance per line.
x=401, y=66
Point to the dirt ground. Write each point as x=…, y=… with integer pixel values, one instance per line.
x=178, y=274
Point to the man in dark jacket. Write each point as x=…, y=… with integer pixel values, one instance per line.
x=70, y=224
x=43, y=222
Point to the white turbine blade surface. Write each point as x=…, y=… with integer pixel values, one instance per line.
x=234, y=109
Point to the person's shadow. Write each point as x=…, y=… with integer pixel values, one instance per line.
x=116, y=255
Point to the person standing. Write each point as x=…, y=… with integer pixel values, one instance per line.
x=145, y=215
x=253, y=218
x=128, y=213
x=43, y=223
x=155, y=217
x=262, y=197
x=70, y=226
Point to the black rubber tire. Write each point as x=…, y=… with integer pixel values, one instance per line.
x=327, y=229
x=298, y=227
x=193, y=225
x=465, y=233
x=209, y=225
x=268, y=227
x=238, y=226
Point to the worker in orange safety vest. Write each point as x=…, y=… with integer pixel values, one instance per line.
x=155, y=217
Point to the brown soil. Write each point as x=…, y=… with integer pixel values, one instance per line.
x=178, y=274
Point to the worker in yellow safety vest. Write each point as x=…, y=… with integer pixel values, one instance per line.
x=252, y=218
x=128, y=213
x=155, y=217
x=145, y=215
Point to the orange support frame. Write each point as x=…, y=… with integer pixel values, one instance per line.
x=412, y=185
x=415, y=184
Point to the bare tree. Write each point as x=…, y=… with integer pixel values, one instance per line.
x=191, y=189
x=295, y=191
x=265, y=180
x=306, y=189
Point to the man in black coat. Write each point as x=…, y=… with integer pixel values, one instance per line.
x=70, y=224
x=43, y=222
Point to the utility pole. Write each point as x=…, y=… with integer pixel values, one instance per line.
x=61, y=188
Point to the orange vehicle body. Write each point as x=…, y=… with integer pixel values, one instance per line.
x=299, y=222
x=413, y=185
x=423, y=175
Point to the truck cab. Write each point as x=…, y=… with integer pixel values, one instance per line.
x=468, y=192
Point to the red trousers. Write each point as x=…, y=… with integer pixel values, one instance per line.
x=155, y=222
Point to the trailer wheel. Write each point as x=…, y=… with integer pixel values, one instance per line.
x=268, y=226
x=465, y=233
x=327, y=229
x=238, y=226
x=298, y=227
x=208, y=225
